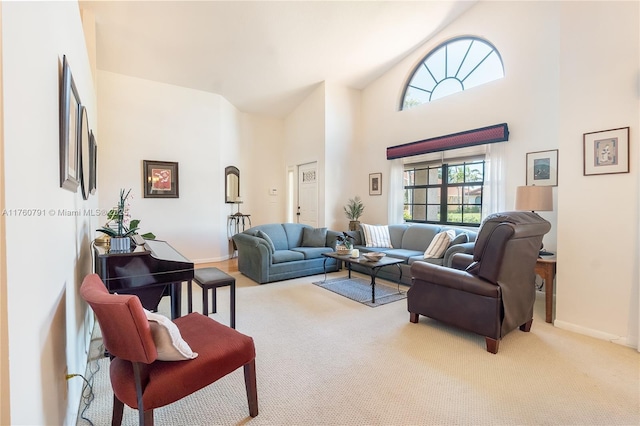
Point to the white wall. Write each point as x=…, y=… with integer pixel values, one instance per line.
x=144, y=120
x=263, y=168
x=524, y=98
x=47, y=255
x=559, y=83
x=325, y=128
x=304, y=140
x=344, y=177
x=598, y=215
x=5, y=400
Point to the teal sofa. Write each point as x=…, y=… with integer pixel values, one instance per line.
x=409, y=241
x=281, y=251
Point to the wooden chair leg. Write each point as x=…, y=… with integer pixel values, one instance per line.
x=214, y=300
x=252, y=389
x=492, y=345
x=118, y=410
x=526, y=327
x=413, y=317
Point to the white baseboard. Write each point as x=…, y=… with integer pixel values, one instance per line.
x=592, y=333
x=211, y=259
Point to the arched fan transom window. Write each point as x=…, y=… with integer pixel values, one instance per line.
x=452, y=67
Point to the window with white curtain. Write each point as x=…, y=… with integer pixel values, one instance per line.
x=445, y=192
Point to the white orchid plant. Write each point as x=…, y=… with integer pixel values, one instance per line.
x=119, y=223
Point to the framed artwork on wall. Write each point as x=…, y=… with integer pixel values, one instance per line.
x=84, y=153
x=69, y=130
x=93, y=149
x=606, y=152
x=375, y=183
x=160, y=179
x=542, y=168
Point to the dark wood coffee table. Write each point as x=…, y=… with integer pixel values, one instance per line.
x=373, y=267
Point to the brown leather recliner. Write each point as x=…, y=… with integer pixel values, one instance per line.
x=496, y=292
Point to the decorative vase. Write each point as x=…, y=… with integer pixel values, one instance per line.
x=354, y=225
x=119, y=244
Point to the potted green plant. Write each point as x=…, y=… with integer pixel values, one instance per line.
x=353, y=210
x=120, y=226
x=344, y=244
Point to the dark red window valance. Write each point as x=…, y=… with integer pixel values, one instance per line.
x=484, y=135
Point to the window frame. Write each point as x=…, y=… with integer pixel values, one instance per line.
x=443, y=186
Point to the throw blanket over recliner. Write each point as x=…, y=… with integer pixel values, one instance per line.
x=496, y=292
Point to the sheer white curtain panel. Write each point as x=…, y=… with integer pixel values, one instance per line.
x=396, y=192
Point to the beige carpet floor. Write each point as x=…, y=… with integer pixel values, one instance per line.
x=323, y=359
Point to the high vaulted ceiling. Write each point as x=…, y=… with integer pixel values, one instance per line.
x=263, y=56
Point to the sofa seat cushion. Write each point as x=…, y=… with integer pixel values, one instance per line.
x=312, y=252
x=281, y=256
x=402, y=253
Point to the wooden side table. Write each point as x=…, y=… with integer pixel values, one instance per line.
x=546, y=268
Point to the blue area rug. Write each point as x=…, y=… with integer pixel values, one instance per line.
x=359, y=289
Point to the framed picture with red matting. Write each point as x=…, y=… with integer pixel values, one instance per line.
x=160, y=179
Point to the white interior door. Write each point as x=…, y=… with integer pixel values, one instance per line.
x=308, y=194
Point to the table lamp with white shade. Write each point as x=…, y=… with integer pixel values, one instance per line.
x=535, y=199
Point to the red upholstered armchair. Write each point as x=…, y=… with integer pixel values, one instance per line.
x=496, y=292
x=142, y=381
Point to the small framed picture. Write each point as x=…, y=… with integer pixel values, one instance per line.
x=606, y=152
x=160, y=179
x=375, y=183
x=542, y=168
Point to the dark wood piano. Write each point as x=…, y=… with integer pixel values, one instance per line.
x=150, y=271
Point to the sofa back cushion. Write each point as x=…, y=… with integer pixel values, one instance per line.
x=396, y=232
x=418, y=236
x=294, y=234
x=276, y=233
x=357, y=237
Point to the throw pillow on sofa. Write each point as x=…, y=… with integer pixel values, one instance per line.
x=439, y=244
x=376, y=235
x=314, y=237
x=461, y=238
x=267, y=239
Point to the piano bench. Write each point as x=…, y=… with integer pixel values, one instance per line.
x=212, y=278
